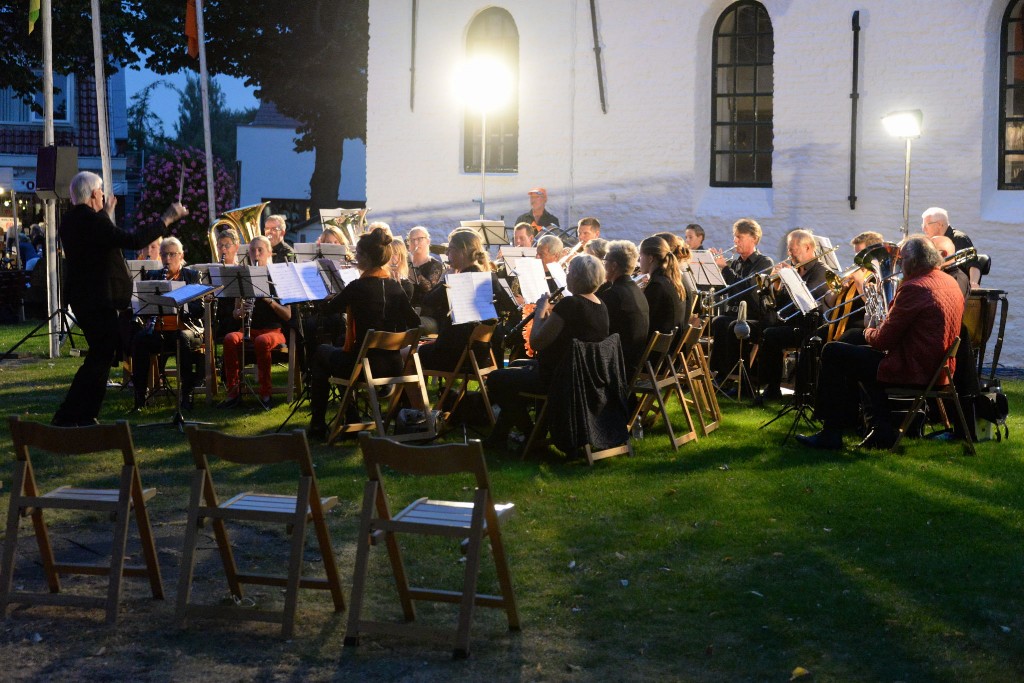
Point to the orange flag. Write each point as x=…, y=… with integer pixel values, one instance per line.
x=192, y=29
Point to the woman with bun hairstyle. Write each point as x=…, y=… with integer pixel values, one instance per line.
x=373, y=302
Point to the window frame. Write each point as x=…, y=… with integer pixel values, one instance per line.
x=756, y=151
x=502, y=127
x=1004, y=57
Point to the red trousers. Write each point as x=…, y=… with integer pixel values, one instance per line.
x=263, y=341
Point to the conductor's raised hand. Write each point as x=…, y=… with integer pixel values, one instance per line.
x=176, y=211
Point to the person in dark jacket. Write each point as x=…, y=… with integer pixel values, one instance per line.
x=628, y=311
x=373, y=302
x=97, y=286
x=665, y=294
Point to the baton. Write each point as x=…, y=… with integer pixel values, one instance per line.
x=181, y=181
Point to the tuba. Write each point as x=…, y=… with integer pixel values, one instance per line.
x=881, y=260
x=351, y=222
x=245, y=220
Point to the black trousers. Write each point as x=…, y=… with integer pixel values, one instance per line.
x=774, y=341
x=146, y=343
x=330, y=361
x=503, y=388
x=85, y=396
x=847, y=381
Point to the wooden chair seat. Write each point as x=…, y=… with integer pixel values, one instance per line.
x=121, y=503
x=295, y=512
x=475, y=521
x=656, y=381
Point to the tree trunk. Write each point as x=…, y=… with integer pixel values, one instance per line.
x=323, y=186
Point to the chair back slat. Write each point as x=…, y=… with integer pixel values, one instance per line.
x=265, y=449
x=390, y=341
x=72, y=440
x=434, y=460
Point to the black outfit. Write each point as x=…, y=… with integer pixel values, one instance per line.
x=97, y=285
x=150, y=340
x=282, y=253
x=583, y=320
x=425, y=278
x=374, y=303
x=962, y=241
x=444, y=352
x=546, y=219
x=725, y=350
x=783, y=335
x=629, y=317
x=667, y=308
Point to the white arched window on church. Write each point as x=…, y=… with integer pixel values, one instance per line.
x=741, y=98
x=493, y=32
x=1011, y=99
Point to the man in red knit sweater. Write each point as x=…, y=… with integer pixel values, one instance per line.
x=923, y=319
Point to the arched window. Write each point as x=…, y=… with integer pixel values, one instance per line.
x=1011, y=99
x=493, y=32
x=741, y=101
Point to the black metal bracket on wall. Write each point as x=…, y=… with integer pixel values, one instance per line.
x=854, y=97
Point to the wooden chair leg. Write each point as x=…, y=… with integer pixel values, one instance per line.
x=291, y=593
x=120, y=544
x=963, y=424
x=156, y=585
x=11, y=539
x=501, y=569
x=188, y=553
x=472, y=573
x=355, y=608
x=540, y=427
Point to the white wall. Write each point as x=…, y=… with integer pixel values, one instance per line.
x=271, y=167
x=644, y=165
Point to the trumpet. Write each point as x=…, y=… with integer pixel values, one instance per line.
x=576, y=250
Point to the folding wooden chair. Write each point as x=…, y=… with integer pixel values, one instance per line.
x=467, y=370
x=695, y=376
x=947, y=391
x=26, y=500
x=282, y=355
x=655, y=382
x=475, y=521
x=362, y=379
x=294, y=511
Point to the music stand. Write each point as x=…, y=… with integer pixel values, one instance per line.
x=806, y=355
x=175, y=299
x=242, y=282
x=492, y=233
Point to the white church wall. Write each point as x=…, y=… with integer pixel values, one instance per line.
x=644, y=165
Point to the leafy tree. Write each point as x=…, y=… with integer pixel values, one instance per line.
x=189, y=128
x=22, y=54
x=145, y=128
x=309, y=58
x=161, y=176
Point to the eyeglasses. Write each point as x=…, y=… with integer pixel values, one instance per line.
x=417, y=239
x=169, y=254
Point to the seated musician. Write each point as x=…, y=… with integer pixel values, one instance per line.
x=466, y=254
x=738, y=274
x=266, y=317
x=581, y=316
x=163, y=332
x=904, y=349
x=848, y=301
x=628, y=311
x=664, y=291
x=398, y=266
x=150, y=252
x=425, y=270
x=274, y=229
x=780, y=335
x=947, y=250
x=694, y=236
x=522, y=235
x=373, y=302
x=549, y=250
x=332, y=235
x=681, y=251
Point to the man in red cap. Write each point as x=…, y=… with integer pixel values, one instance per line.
x=538, y=216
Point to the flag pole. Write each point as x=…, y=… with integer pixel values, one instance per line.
x=204, y=89
x=103, y=128
x=49, y=205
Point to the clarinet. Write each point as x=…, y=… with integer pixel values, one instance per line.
x=247, y=305
x=151, y=323
x=555, y=297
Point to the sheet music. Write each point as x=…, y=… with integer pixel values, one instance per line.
x=349, y=275
x=146, y=293
x=532, y=282
x=508, y=252
x=295, y=282
x=180, y=296
x=706, y=272
x=797, y=288
x=558, y=275
x=136, y=267
x=241, y=282
x=471, y=297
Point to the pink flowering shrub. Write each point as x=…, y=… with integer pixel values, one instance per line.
x=160, y=187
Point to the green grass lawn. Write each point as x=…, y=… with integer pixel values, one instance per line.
x=734, y=558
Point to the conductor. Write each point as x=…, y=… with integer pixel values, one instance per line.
x=97, y=286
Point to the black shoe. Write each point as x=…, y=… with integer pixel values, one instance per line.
x=264, y=402
x=823, y=440
x=771, y=393
x=881, y=439
x=230, y=402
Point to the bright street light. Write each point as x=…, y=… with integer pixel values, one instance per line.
x=484, y=84
x=906, y=125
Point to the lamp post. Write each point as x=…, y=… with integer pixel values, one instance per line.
x=906, y=125
x=485, y=85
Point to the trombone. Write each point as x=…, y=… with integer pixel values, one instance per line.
x=768, y=282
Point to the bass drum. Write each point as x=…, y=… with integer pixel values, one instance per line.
x=980, y=313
